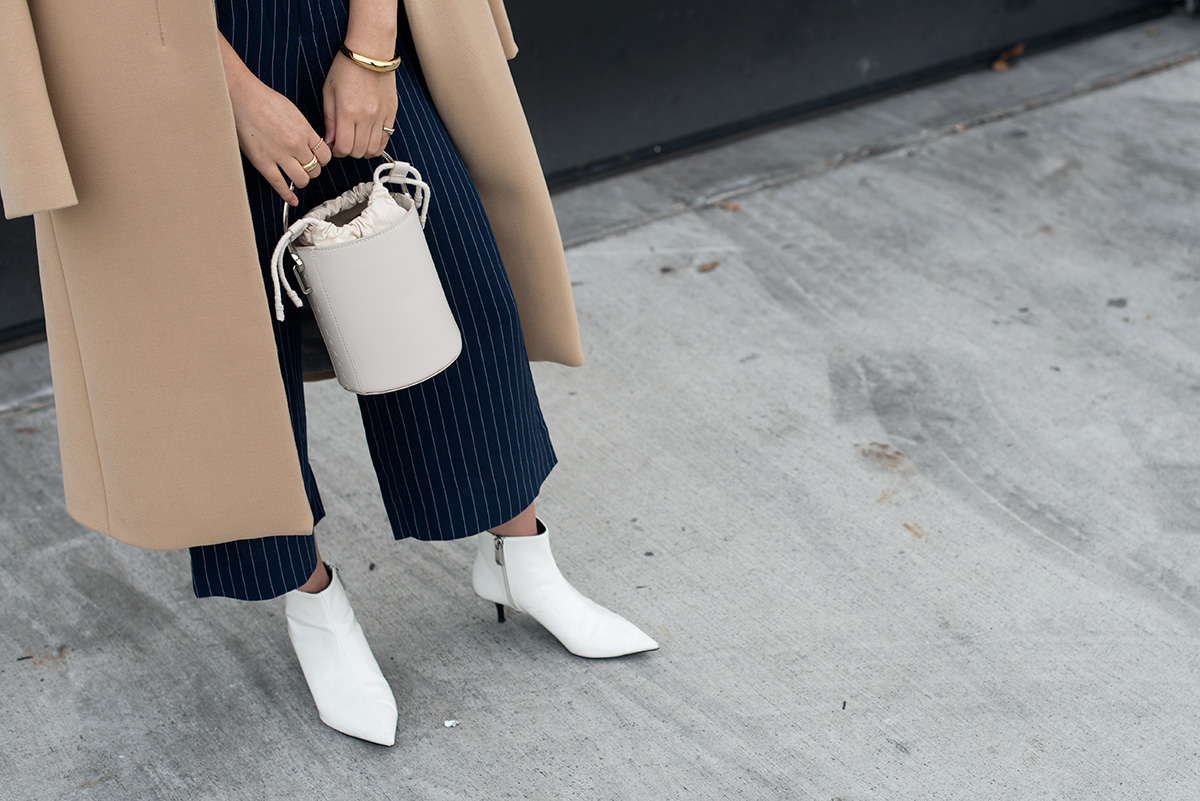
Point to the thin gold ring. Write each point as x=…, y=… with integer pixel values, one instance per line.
x=389, y=131
x=318, y=144
x=312, y=165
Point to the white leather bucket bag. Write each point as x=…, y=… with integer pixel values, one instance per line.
x=362, y=261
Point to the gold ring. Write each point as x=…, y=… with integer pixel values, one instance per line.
x=389, y=131
x=318, y=144
x=312, y=165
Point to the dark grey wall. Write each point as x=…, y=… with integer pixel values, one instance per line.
x=605, y=83
x=20, y=296
x=608, y=84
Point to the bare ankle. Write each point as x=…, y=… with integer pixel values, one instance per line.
x=318, y=581
x=523, y=525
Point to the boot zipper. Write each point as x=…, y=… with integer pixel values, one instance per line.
x=499, y=546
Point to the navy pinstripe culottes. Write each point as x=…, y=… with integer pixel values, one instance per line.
x=455, y=455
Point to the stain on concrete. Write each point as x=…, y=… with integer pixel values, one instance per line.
x=55, y=660
x=886, y=456
x=94, y=782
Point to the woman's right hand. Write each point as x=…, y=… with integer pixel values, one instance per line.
x=272, y=133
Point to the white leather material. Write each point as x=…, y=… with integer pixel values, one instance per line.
x=375, y=292
x=351, y=693
x=520, y=572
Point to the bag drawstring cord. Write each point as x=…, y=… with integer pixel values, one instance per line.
x=279, y=272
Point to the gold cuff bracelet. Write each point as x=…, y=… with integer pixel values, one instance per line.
x=370, y=63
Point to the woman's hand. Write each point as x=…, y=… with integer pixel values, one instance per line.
x=358, y=105
x=358, y=102
x=272, y=133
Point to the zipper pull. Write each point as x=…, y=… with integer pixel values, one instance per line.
x=499, y=548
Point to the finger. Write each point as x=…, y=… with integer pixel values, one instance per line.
x=382, y=137
x=389, y=121
x=326, y=105
x=270, y=171
x=346, y=135
x=302, y=178
x=389, y=118
x=322, y=152
x=376, y=137
x=362, y=140
x=373, y=133
x=294, y=171
x=377, y=141
x=310, y=162
x=330, y=128
x=344, y=140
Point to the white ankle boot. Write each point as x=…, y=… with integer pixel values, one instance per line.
x=520, y=572
x=350, y=691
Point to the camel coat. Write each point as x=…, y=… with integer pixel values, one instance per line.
x=117, y=133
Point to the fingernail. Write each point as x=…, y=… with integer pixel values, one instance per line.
x=294, y=201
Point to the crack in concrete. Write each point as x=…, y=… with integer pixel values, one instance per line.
x=39, y=399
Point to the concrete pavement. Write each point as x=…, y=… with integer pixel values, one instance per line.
x=888, y=432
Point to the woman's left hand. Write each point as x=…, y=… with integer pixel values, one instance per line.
x=358, y=105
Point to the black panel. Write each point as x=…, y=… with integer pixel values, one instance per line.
x=605, y=83
x=20, y=293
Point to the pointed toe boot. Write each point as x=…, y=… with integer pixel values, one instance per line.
x=520, y=572
x=351, y=693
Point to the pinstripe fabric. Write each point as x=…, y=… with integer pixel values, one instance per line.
x=455, y=455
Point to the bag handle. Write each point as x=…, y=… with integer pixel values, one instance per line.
x=409, y=177
x=399, y=172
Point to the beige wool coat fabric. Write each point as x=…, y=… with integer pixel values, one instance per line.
x=117, y=134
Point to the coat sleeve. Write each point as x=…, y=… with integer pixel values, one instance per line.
x=504, y=28
x=33, y=169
